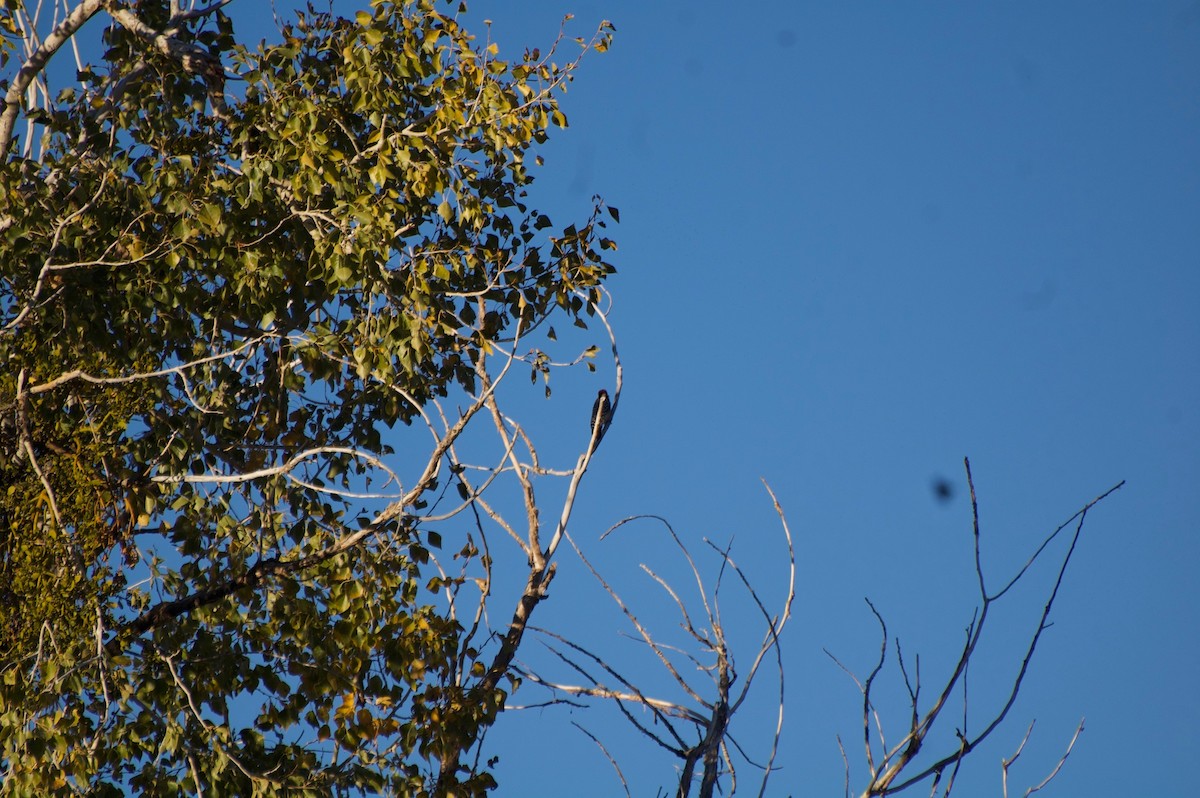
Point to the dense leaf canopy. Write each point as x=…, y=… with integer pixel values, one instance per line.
x=225, y=273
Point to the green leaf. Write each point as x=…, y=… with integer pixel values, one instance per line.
x=209, y=214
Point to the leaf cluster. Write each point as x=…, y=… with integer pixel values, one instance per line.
x=229, y=273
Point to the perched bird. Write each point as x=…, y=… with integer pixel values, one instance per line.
x=601, y=415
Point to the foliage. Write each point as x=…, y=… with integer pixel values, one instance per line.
x=224, y=276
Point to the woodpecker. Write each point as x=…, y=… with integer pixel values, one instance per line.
x=601, y=415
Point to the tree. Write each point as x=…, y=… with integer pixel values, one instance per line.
x=227, y=272
x=259, y=314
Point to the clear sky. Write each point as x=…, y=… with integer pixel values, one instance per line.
x=859, y=242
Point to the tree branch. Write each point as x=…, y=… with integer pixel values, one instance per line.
x=37, y=61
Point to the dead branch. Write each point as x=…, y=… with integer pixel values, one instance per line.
x=889, y=775
x=707, y=758
x=1006, y=763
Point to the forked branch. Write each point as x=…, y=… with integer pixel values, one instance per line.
x=891, y=774
x=698, y=732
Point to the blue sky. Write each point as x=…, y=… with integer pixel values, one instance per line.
x=860, y=242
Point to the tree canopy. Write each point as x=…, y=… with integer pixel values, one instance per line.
x=225, y=273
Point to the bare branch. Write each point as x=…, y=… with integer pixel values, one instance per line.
x=608, y=756
x=660, y=708
x=704, y=759
x=845, y=764
x=643, y=632
x=885, y=778
x=1062, y=761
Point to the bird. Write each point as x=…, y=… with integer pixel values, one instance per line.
x=601, y=415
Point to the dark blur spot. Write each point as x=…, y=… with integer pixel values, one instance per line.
x=943, y=490
x=786, y=37
x=1041, y=298
x=1028, y=73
